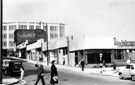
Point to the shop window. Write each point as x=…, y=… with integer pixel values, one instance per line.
x=64, y=51
x=119, y=55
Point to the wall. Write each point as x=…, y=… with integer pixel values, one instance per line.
x=92, y=43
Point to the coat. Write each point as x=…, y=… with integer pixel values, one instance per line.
x=40, y=70
x=53, y=73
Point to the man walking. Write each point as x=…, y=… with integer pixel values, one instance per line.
x=40, y=72
x=82, y=64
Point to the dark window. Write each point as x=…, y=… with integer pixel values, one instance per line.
x=128, y=67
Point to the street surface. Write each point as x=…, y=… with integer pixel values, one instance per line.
x=72, y=78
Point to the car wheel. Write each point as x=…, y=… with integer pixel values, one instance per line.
x=120, y=76
x=133, y=77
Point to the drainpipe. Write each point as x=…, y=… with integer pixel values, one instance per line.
x=68, y=49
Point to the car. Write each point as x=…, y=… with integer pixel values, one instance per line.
x=14, y=67
x=128, y=72
x=5, y=63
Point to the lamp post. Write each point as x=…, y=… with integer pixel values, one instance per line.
x=47, y=54
x=1, y=57
x=100, y=55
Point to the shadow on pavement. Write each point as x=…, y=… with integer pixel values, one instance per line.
x=33, y=72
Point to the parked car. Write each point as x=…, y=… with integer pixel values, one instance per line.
x=128, y=72
x=14, y=67
x=5, y=63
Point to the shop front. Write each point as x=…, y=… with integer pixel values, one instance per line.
x=94, y=51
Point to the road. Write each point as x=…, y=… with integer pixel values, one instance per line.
x=72, y=78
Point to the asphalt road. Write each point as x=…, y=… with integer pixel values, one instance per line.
x=72, y=78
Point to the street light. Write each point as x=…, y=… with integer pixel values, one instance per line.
x=1, y=55
x=100, y=55
x=47, y=54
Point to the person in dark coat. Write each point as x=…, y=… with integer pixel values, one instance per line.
x=53, y=73
x=40, y=72
x=82, y=64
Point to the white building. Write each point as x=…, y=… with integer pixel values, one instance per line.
x=55, y=30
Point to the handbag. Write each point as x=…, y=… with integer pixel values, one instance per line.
x=55, y=78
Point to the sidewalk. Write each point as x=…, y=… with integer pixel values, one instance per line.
x=8, y=80
x=99, y=71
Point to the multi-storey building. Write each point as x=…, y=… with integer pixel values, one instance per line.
x=55, y=30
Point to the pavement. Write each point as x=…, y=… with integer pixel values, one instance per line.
x=99, y=71
x=8, y=80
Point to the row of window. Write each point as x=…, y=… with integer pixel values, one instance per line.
x=11, y=36
x=53, y=35
x=53, y=28
x=119, y=55
x=11, y=43
x=62, y=31
x=30, y=27
x=12, y=27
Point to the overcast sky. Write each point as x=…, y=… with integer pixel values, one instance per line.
x=114, y=18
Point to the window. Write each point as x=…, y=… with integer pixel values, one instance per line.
x=132, y=67
x=38, y=27
x=128, y=67
x=12, y=27
x=31, y=27
x=11, y=43
x=62, y=31
x=11, y=36
x=4, y=36
x=22, y=26
x=5, y=28
x=45, y=28
x=4, y=43
x=119, y=55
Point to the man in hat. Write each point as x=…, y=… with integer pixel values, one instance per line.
x=40, y=72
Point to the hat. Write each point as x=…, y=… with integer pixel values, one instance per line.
x=53, y=61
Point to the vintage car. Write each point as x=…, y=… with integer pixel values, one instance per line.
x=14, y=67
x=128, y=72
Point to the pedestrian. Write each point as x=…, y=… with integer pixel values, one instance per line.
x=40, y=72
x=54, y=74
x=114, y=66
x=128, y=61
x=103, y=65
x=82, y=64
x=63, y=61
x=22, y=75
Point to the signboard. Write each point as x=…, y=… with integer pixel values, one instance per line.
x=21, y=35
x=124, y=43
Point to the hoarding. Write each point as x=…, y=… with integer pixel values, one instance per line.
x=21, y=35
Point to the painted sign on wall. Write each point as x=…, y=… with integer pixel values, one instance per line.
x=124, y=43
x=21, y=35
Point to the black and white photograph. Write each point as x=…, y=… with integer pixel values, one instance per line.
x=67, y=42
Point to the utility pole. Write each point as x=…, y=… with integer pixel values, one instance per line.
x=47, y=52
x=1, y=60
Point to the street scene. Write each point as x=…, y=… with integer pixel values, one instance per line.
x=69, y=77
x=70, y=42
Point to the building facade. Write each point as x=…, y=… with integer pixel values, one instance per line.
x=54, y=30
x=96, y=50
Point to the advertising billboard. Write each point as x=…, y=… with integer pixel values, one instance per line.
x=21, y=35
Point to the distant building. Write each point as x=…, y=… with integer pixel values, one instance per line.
x=55, y=30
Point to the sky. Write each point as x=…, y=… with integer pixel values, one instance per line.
x=109, y=18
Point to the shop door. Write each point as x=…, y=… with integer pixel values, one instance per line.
x=107, y=57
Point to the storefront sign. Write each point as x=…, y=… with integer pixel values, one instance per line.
x=21, y=35
x=125, y=43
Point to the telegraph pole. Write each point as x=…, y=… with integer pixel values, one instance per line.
x=1, y=43
x=47, y=51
